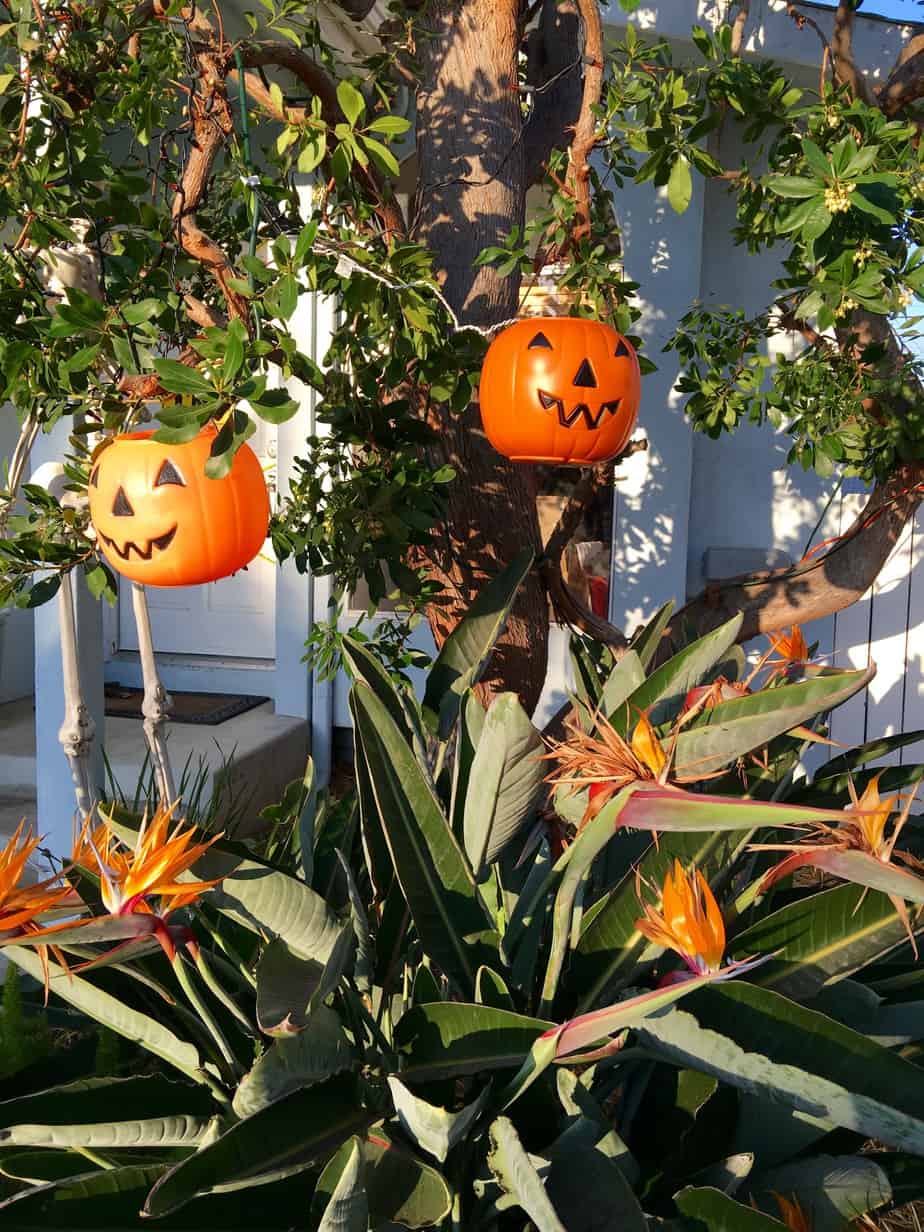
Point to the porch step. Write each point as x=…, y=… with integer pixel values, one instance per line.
x=247, y=760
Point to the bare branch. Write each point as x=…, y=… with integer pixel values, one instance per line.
x=554, y=72
x=845, y=66
x=203, y=314
x=906, y=83
x=812, y=589
x=585, y=130
x=739, y=25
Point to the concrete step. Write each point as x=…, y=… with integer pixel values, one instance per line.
x=248, y=759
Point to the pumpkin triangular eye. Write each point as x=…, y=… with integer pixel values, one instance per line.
x=168, y=474
x=584, y=377
x=540, y=340
x=622, y=349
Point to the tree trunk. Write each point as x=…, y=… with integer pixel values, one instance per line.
x=471, y=193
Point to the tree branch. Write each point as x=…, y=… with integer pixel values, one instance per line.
x=316, y=79
x=554, y=71
x=585, y=129
x=815, y=588
x=905, y=84
x=845, y=66
x=739, y=25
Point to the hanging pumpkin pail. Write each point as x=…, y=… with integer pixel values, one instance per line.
x=562, y=390
x=160, y=520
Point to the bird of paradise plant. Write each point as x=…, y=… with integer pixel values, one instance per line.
x=860, y=848
x=605, y=762
x=23, y=902
x=689, y=921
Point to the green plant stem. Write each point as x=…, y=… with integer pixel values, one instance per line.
x=230, y=952
x=211, y=982
x=248, y=164
x=179, y=970
x=92, y=1156
x=355, y=1001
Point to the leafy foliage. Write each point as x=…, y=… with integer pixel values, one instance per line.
x=447, y=1027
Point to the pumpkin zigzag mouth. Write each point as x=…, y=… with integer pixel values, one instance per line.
x=160, y=542
x=568, y=419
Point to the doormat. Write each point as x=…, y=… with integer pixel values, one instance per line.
x=205, y=709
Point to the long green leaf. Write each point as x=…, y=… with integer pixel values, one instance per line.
x=737, y=727
x=448, y=1039
x=510, y=1164
x=436, y=880
x=102, y=1099
x=627, y=676
x=164, y=1131
x=318, y=1052
x=504, y=782
x=768, y=1045
x=288, y=988
x=717, y=1212
x=290, y=1133
x=112, y=1013
x=863, y=753
x=821, y=937
x=348, y=1208
x=663, y=692
x=402, y=1190
x=465, y=652
x=833, y=1190
x=429, y=1126
x=645, y=641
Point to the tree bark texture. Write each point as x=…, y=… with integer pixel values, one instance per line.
x=471, y=193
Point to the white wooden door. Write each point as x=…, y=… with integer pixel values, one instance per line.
x=233, y=618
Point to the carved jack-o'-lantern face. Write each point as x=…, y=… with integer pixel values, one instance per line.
x=160, y=520
x=561, y=390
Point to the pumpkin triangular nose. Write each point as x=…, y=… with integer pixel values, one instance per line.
x=585, y=375
x=121, y=507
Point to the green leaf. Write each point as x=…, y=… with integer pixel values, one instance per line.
x=382, y=156
x=101, y=1099
x=390, y=125
x=289, y=988
x=295, y=1061
x=111, y=1012
x=504, y=783
x=860, y=201
x=645, y=641
x=759, y=1041
x=312, y=153
x=737, y=727
x=165, y=1131
x=626, y=677
x=288, y=1134
x=143, y=310
x=794, y=186
x=680, y=186
x=234, y=351
x=663, y=693
x=352, y=103
x=718, y=1212
x=465, y=652
x=401, y=1188
x=820, y=938
x=431, y=1127
x=434, y=876
x=265, y=900
x=448, y=1039
x=833, y=1190
x=181, y=379
x=275, y=406
x=510, y=1164
x=348, y=1208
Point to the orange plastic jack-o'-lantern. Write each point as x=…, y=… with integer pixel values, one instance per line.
x=560, y=390
x=160, y=520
